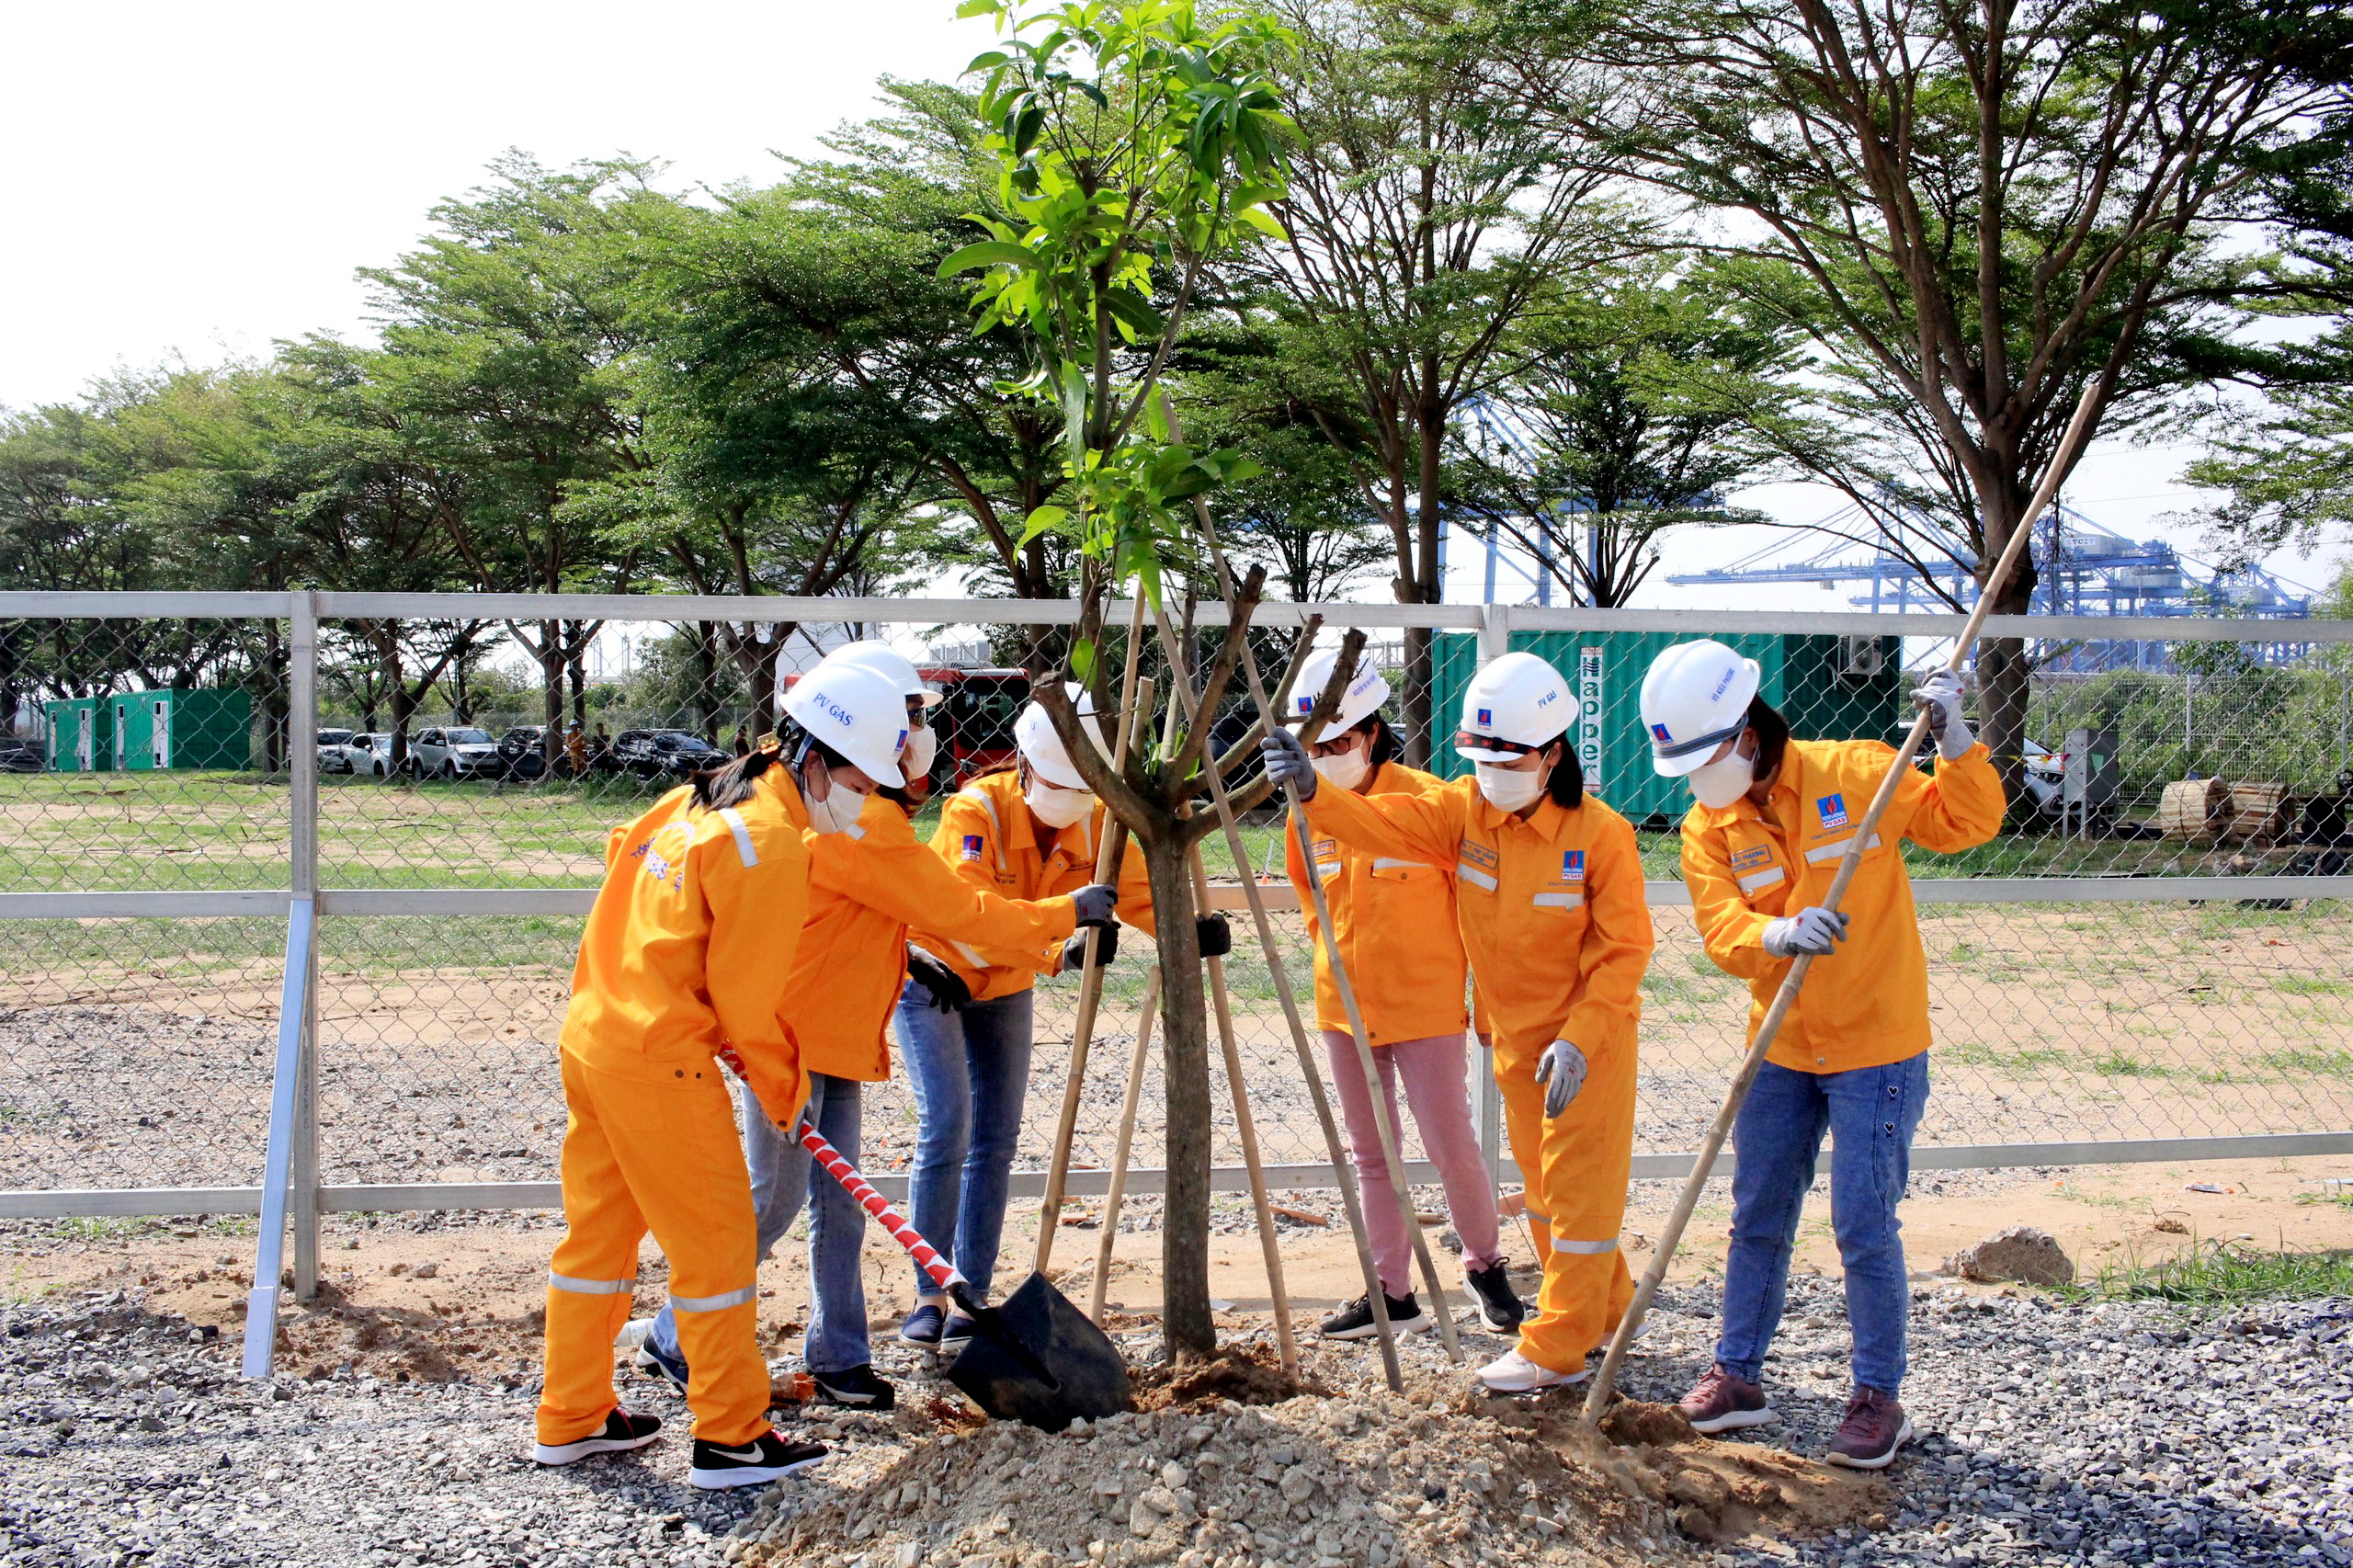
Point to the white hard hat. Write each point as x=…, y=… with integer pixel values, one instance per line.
x=1366, y=691
x=1033, y=732
x=1513, y=706
x=857, y=711
x=1694, y=698
x=880, y=656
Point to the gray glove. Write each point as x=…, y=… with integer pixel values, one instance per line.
x=1287, y=762
x=1562, y=1070
x=1815, y=931
x=1095, y=903
x=1940, y=694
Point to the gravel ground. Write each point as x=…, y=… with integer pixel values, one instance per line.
x=2051, y=1433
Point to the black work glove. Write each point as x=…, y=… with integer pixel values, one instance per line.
x=949, y=992
x=1107, y=947
x=1215, y=934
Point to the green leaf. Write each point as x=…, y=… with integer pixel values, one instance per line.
x=988, y=60
x=986, y=252
x=1082, y=660
x=1040, y=519
x=977, y=9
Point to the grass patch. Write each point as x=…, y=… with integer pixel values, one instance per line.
x=2323, y=1061
x=102, y=1227
x=2311, y=985
x=2123, y=1064
x=2219, y=1273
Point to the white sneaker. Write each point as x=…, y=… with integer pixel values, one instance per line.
x=1514, y=1373
x=632, y=1334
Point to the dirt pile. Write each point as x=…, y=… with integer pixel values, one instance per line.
x=1379, y=1482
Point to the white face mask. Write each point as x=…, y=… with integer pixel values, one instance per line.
x=838, y=812
x=1509, y=789
x=1718, y=783
x=923, y=748
x=1056, y=806
x=1346, y=769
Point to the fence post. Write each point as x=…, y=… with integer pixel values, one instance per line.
x=303, y=793
x=1487, y=1106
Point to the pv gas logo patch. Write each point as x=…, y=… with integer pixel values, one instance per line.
x=1573, y=865
x=972, y=847
x=1487, y=720
x=1832, y=809
x=1659, y=733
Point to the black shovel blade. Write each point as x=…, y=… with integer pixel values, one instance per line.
x=1038, y=1361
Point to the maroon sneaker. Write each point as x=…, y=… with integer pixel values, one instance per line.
x=1875, y=1428
x=1722, y=1402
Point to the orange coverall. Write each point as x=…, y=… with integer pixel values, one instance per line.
x=1552, y=916
x=1393, y=919
x=986, y=838
x=688, y=947
x=866, y=887
x=1866, y=1003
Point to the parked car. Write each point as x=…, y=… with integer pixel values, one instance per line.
x=364, y=753
x=664, y=754
x=20, y=755
x=520, y=753
x=330, y=744
x=457, y=751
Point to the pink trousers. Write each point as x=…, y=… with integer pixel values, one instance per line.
x=1438, y=1089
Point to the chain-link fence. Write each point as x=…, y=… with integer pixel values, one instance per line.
x=2151, y=960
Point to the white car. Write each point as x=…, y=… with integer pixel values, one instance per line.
x=459, y=751
x=367, y=754
x=330, y=744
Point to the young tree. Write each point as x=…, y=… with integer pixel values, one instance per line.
x=1130, y=137
x=1985, y=204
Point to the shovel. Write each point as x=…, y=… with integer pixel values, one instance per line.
x=1037, y=1359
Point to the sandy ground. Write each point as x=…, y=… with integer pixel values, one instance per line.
x=435, y=1297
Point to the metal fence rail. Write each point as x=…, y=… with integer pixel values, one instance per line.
x=2103, y=993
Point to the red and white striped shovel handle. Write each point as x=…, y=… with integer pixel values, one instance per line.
x=926, y=1256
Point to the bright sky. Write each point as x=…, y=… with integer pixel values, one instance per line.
x=200, y=180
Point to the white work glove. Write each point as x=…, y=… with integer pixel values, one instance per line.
x=1940, y=694
x=1815, y=931
x=1562, y=1070
x=1288, y=763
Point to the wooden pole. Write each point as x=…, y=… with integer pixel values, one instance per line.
x=1604, y=1381
x=1090, y=974
x=1118, y=1194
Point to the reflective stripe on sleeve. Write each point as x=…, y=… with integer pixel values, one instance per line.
x=1475, y=876
x=719, y=1304
x=1328, y=869
x=1836, y=847
x=744, y=851
x=1585, y=1249
x=996, y=825
x=1388, y=864
x=1560, y=901
x=1769, y=877
x=591, y=1286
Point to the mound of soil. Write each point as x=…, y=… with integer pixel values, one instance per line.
x=1415, y=1481
x=1245, y=1374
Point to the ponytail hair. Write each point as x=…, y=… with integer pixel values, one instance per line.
x=1566, y=784
x=1772, y=735
x=1386, y=746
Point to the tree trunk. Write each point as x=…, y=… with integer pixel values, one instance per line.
x=578, y=644
x=706, y=676
x=1185, y=1055
x=2003, y=669
x=551, y=655
x=277, y=706
x=762, y=676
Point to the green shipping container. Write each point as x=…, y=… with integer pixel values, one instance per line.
x=81, y=734
x=204, y=728
x=1829, y=687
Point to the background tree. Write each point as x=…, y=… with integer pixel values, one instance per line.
x=1972, y=207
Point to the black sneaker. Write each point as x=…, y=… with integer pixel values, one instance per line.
x=622, y=1431
x=1500, y=1307
x=1355, y=1319
x=858, y=1388
x=717, y=1467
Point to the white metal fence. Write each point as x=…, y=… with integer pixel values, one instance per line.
x=233, y=982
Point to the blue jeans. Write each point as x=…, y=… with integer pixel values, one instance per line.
x=783, y=1178
x=970, y=1072
x=1871, y=1114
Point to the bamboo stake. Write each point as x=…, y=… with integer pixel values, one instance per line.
x=1117, y=1193
x=1090, y=974
x=1246, y=1128
x=1309, y=1071
x=1604, y=1381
